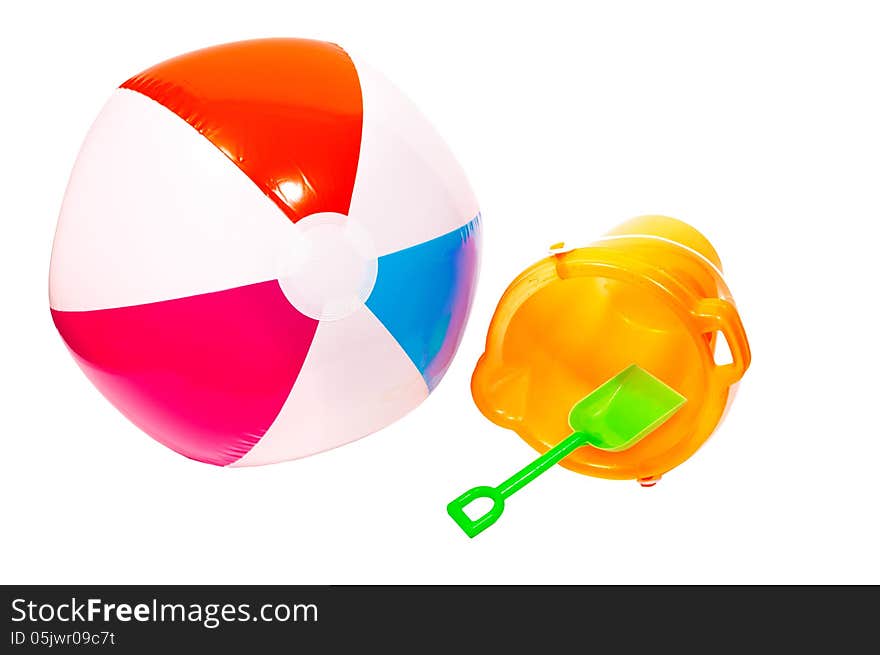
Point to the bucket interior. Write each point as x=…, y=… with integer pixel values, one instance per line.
x=572, y=335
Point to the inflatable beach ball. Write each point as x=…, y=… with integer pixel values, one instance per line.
x=264, y=252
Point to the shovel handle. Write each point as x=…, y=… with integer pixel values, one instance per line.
x=546, y=461
x=473, y=527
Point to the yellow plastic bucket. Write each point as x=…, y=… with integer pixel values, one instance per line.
x=651, y=293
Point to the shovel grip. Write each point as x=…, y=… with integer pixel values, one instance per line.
x=473, y=527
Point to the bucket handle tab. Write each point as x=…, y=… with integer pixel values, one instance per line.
x=717, y=315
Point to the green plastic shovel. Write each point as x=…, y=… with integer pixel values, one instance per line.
x=614, y=417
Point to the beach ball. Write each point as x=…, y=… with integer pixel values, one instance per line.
x=265, y=251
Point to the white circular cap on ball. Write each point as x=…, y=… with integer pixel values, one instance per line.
x=328, y=269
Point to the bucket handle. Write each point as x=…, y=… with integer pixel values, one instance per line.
x=717, y=315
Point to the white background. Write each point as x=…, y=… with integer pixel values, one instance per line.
x=759, y=123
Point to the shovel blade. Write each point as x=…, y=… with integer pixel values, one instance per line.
x=625, y=409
